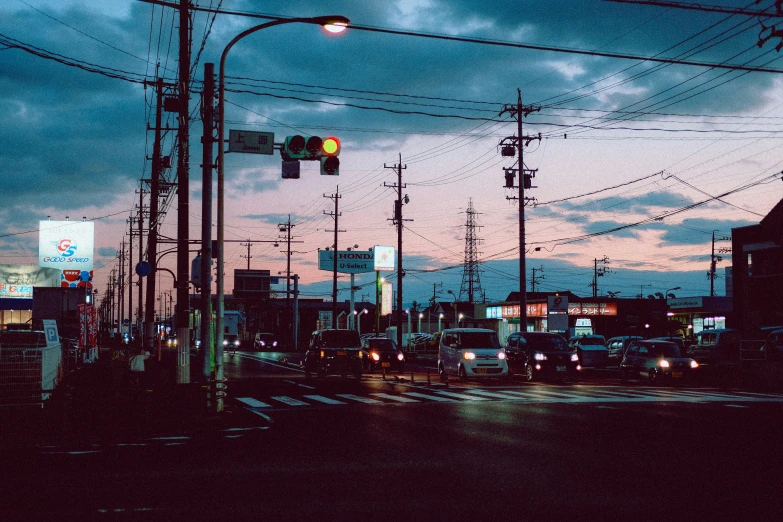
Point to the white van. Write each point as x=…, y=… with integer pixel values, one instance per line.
x=471, y=353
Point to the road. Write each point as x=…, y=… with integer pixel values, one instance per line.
x=335, y=449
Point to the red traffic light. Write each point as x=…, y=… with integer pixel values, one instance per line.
x=331, y=146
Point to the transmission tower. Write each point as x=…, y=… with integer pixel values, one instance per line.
x=471, y=279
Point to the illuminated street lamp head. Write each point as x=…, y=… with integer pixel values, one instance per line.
x=334, y=24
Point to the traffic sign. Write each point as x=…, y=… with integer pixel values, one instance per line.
x=251, y=142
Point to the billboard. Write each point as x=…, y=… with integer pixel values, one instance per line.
x=19, y=280
x=387, y=296
x=348, y=261
x=66, y=245
x=384, y=258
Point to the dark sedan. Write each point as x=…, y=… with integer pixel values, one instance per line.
x=379, y=353
x=655, y=362
x=541, y=355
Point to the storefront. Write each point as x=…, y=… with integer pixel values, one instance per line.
x=688, y=316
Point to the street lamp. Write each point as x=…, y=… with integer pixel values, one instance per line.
x=420, y=316
x=333, y=24
x=459, y=319
x=409, y=326
x=440, y=318
x=359, y=319
x=666, y=295
x=456, y=320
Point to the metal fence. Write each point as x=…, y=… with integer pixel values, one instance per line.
x=28, y=376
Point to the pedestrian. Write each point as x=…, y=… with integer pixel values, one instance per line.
x=137, y=366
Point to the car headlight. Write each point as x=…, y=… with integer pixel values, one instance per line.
x=663, y=363
x=262, y=343
x=469, y=356
x=575, y=357
x=694, y=364
x=501, y=355
x=375, y=356
x=400, y=357
x=274, y=343
x=236, y=343
x=225, y=342
x=540, y=357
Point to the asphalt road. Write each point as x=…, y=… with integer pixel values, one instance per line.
x=335, y=449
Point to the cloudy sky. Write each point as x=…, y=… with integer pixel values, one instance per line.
x=638, y=163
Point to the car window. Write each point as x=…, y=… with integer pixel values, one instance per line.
x=382, y=344
x=633, y=349
x=665, y=350
x=340, y=339
x=478, y=340
x=643, y=351
x=546, y=342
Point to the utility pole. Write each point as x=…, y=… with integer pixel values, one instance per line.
x=140, y=314
x=131, y=222
x=248, y=256
x=152, y=237
x=599, y=272
x=534, y=279
x=398, y=220
x=183, y=197
x=205, y=272
x=286, y=228
x=518, y=111
x=121, y=285
x=336, y=214
x=714, y=260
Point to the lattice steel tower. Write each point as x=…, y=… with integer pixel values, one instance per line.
x=471, y=278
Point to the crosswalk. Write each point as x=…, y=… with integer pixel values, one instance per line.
x=529, y=394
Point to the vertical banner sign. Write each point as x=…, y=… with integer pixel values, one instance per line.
x=386, y=298
x=66, y=245
x=557, y=313
x=82, y=325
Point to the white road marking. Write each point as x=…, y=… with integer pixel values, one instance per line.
x=359, y=398
x=300, y=385
x=253, y=403
x=494, y=395
x=462, y=396
x=397, y=398
x=290, y=401
x=321, y=398
x=429, y=397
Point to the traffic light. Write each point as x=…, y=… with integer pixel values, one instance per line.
x=330, y=164
x=300, y=147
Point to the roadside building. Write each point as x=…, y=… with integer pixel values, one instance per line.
x=757, y=272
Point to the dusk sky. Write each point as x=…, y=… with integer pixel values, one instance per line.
x=633, y=155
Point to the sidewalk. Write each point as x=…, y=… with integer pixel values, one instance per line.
x=100, y=401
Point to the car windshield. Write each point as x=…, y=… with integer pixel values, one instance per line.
x=340, y=339
x=546, y=343
x=382, y=345
x=591, y=340
x=478, y=340
x=266, y=338
x=666, y=350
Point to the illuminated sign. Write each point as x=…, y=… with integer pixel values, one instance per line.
x=541, y=309
x=386, y=298
x=19, y=280
x=384, y=258
x=66, y=245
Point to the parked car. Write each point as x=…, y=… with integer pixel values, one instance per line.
x=379, y=353
x=471, y=353
x=540, y=355
x=266, y=342
x=715, y=346
x=591, y=350
x=655, y=361
x=616, y=347
x=333, y=351
x=773, y=345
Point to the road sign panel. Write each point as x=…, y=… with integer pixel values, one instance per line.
x=251, y=142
